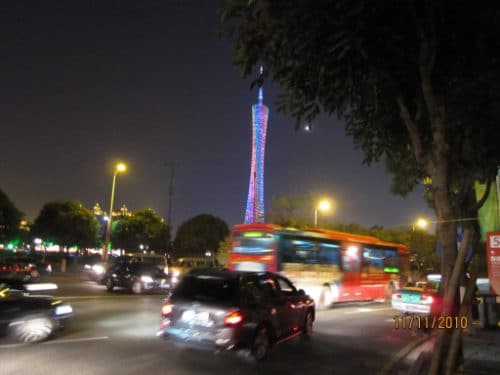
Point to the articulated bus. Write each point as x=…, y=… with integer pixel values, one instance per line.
x=330, y=266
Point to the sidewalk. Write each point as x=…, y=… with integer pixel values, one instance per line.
x=482, y=351
x=481, y=354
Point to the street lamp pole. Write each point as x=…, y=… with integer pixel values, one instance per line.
x=324, y=205
x=119, y=168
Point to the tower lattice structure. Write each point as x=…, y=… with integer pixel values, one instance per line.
x=255, y=203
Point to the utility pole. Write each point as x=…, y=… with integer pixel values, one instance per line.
x=170, y=193
x=172, y=166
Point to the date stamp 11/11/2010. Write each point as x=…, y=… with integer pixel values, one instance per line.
x=430, y=322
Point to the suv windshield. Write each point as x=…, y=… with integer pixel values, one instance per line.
x=207, y=288
x=149, y=268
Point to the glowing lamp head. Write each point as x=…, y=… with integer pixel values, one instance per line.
x=422, y=223
x=324, y=205
x=120, y=167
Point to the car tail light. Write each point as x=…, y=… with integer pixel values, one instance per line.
x=396, y=296
x=427, y=299
x=167, y=308
x=233, y=317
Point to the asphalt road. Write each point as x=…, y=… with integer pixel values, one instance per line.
x=114, y=333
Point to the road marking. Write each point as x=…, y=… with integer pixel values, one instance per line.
x=365, y=310
x=83, y=339
x=359, y=310
x=105, y=296
x=56, y=341
x=6, y=346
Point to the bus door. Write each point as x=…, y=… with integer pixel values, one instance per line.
x=351, y=265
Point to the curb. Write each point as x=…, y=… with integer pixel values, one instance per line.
x=403, y=353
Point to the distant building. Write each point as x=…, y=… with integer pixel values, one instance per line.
x=124, y=211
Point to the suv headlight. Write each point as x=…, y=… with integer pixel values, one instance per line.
x=146, y=279
x=63, y=310
x=98, y=269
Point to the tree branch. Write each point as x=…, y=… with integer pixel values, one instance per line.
x=486, y=193
x=413, y=131
x=426, y=31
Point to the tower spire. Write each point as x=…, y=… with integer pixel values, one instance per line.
x=261, y=84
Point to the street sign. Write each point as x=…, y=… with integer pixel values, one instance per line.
x=460, y=236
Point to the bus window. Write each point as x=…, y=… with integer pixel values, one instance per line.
x=380, y=260
x=252, y=243
x=328, y=253
x=297, y=250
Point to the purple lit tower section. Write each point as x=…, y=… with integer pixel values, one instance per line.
x=255, y=204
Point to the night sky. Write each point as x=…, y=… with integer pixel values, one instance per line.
x=85, y=84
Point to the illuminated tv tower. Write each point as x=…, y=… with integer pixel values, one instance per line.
x=255, y=203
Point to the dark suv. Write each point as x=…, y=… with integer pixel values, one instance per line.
x=137, y=276
x=222, y=309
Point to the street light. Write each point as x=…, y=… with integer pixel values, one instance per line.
x=421, y=223
x=120, y=167
x=324, y=205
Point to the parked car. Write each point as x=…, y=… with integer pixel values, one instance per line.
x=20, y=268
x=139, y=277
x=28, y=317
x=421, y=299
x=229, y=310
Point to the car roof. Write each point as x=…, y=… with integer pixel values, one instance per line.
x=224, y=273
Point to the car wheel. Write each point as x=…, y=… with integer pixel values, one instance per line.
x=33, y=329
x=307, y=330
x=137, y=287
x=260, y=344
x=109, y=284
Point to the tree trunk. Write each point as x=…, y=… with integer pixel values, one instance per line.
x=456, y=339
x=451, y=301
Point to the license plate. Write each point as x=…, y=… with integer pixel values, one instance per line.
x=198, y=318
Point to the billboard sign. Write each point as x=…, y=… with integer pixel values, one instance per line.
x=493, y=261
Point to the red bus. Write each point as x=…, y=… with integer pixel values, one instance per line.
x=330, y=266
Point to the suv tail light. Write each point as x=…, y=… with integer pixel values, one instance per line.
x=166, y=308
x=233, y=317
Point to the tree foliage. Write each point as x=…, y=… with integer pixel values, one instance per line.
x=200, y=234
x=10, y=217
x=222, y=253
x=290, y=211
x=143, y=228
x=66, y=223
